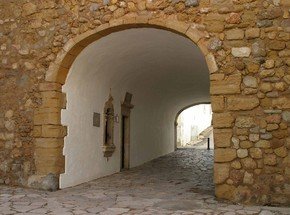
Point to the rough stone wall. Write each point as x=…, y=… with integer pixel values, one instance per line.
x=248, y=39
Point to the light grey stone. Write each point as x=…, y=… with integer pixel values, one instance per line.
x=272, y=111
x=242, y=153
x=264, y=23
x=94, y=7
x=258, y=49
x=266, y=136
x=215, y=44
x=50, y=182
x=192, y=3
x=250, y=81
x=241, y=51
x=255, y=130
x=286, y=116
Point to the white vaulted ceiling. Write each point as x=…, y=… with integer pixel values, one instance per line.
x=165, y=65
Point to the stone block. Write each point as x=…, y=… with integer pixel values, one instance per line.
x=222, y=155
x=211, y=63
x=237, y=176
x=54, y=131
x=269, y=64
x=194, y=34
x=252, y=67
x=256, y=153
x=214, y=44
x=249, y=163
x=272, y=127
x=222, y=120
x=233, y=18
x=266, y=73
x=49, y=86
x=281, y=151
x=56, y=73
x=52, y=99
x=276, y=143
x=9, y=114
x=225, y=191
x=48, y=165
x=202, y=45
x=270, y=159
x=241, y=52
x=181, y=27
x=218, y=103
x=250, y=81
x=217, y=77
x=273, y=118
x=236, y=164
x=242, y=153
x=242, y=102
x=288, y=142
x=246, y=144
x=286, y=116
x=235, y=34
x=221, y=172
x=47, y=116
x=276, y=45
x=252, y=33
x=191, y=3
x=156, y=21
x=48, y=182
x=215, y=26
x=244, y=122
x=285, y=3
x=48, y=160
x=248, y=178
x=263, y=144
x=284, y=53
x=280, y=134
x=254, y=137
x=230, y=85
x=286, y=78
x=28, y=9
x=49, y=143
x=282, y=103
x=37, y=131
x=222, y=137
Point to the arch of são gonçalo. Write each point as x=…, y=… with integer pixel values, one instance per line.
x=244, y=43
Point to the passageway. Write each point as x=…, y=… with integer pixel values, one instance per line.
x=161, y=70
x=178, y=183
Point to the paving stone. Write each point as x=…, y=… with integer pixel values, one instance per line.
x=179, y=183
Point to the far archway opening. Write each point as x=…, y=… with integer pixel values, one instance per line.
x=194, y=127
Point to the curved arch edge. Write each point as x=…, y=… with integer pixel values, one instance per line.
x=58, y=70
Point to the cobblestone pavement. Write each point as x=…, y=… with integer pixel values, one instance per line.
x=178, y=183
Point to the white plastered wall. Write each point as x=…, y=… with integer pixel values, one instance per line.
x=164, y=71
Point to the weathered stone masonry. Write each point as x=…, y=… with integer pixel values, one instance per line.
x=246, y=45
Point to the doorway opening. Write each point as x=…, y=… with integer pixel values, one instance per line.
x=125, y=131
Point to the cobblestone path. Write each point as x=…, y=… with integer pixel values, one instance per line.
x=178, y=183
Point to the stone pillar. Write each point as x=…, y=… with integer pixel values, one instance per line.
x=49, y=138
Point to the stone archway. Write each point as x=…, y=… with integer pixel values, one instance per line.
x=50, y=132
x=250, y=82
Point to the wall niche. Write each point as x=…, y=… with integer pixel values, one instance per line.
x=108, y=145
